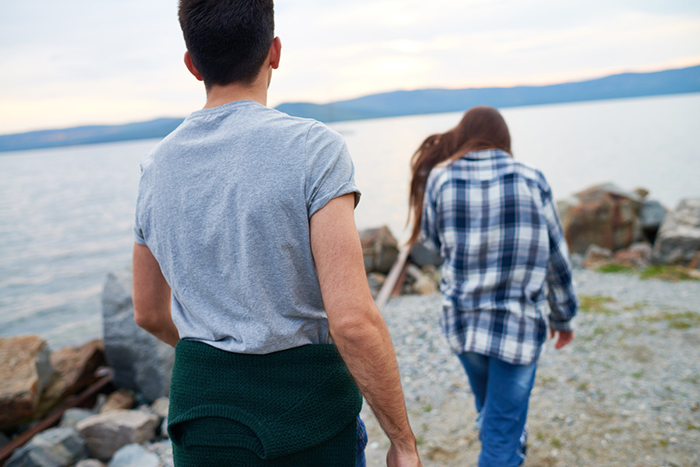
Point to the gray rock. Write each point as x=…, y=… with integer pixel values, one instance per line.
x=134, y=455
x=90, y=463
x=164, y=428
x=140, y=361
x=652, y=214
x=57, y=447
x=422, y=255
x=71, y=417
x=106, y=433
x=678, y=240
x=164, y=451
x=576, y=260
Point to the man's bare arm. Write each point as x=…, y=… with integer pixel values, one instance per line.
x=152, y=297
x=356, y=325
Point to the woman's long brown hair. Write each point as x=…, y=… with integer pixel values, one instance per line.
x=480, y=128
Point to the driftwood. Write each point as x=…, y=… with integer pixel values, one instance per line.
x=395, y=278
x=52, y=419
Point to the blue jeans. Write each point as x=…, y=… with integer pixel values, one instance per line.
x=501, y=393
x=361, y=443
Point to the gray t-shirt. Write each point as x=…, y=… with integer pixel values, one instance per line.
x=224, y=205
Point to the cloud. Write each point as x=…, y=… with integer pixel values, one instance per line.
x=117, y=55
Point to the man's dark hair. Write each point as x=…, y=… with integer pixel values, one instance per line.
x=228, y=40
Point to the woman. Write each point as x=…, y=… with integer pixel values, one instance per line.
x=494, y=222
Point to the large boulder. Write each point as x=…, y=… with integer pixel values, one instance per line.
x=106, y=433
x=140, y=361
x=25, y=369
x=74, y=370
x=651, y=216
x=379, y=249
x=604, y=215
x=57, y=447
x=678, y=240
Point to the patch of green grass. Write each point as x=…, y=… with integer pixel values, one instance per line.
x=555, y=442
x=628, y=395
x=420, y=440
x=427, y=408
x=663, y=443
x=638, y=374
x=635, y=306
x=691, y=426
x=614, y=268
x=595, y=304
x=539, y=436
x=668, y=273
x=691, y=379
x=679, y=320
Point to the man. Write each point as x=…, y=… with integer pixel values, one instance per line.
x=247, y=259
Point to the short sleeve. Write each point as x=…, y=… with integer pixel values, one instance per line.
x=330, y=172
x=138, y=235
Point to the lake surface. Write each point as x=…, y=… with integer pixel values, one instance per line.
x=66, y=214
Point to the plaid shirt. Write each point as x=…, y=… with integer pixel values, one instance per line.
x=494, y=222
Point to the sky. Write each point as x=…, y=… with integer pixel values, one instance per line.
x=78, y=62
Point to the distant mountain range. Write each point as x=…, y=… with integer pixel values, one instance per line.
x=394, y=104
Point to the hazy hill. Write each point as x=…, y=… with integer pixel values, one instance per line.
x=392, y=104
x=425, y=101
x=88, y=135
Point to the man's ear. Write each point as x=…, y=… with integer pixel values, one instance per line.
x=275, y=53
x=190, y=66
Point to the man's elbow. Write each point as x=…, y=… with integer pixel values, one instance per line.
x=356, y=327
x=148, y=321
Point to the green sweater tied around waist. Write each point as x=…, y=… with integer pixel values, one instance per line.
x=294, y=408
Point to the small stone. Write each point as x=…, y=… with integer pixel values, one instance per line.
x=72, y=416
x=160, y=407
x=57, y=447
x=90, y=463
x=134, y=455
x=596, y=257
x=118, y=400
x=107, y=432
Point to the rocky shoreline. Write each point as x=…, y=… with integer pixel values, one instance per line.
x=625, y=393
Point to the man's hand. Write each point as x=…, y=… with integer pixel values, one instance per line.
x=395, y=458
x=565, y=337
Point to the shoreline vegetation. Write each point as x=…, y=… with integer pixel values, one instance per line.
x=393, y=104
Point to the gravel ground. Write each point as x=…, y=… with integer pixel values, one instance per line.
x=626, y=392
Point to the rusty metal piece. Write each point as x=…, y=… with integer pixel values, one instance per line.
x=52, y=419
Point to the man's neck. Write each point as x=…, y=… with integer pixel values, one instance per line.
x=220, y=95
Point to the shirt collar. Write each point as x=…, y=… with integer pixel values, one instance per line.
x=486, y=154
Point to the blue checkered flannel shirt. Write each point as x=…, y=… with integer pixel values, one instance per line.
x=494, y=222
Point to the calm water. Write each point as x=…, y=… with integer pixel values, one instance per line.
x=66, y=214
